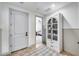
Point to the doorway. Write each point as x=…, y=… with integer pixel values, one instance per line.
x=18, y=30
x=38, y=31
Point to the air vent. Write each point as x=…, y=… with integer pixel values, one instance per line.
x=21, y=2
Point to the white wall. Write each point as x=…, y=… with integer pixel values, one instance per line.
x=78, y=14
x=5, y=29
x=70, y=15
x=4, y=10
x=71, y=39
x=70, y=22
x=39, y=24
x=0, y=30
x=0, y=41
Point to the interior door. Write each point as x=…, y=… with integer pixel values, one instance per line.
x=19, y=29
x=38, y=31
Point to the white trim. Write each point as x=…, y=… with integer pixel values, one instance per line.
x=35, y=27
x=10, y=10
x=71, y=28
x=5, y=54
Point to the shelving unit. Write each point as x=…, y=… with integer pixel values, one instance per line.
x=54, y=33
x=52, y=28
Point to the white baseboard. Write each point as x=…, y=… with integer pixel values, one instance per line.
x=5, y=54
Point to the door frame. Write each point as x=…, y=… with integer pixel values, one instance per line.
x=35, y=27
x=0, y=41
x=10, y=12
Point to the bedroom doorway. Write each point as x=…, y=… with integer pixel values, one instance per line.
x=38, y=31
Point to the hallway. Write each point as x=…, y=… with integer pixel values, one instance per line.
x=25, y=27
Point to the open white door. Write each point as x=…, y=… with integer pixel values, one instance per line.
x=18, y=29
x=38, y=31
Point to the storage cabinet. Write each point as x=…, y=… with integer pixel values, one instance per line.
x=54, y=32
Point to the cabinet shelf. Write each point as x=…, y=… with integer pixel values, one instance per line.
x=55, y=23
x=55, y=35
x=55, y=29
x=49, y=33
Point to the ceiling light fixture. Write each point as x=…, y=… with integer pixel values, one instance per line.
x=53, y=5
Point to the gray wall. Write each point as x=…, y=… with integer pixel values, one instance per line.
x=71, y=39
x=71, y=28
x=44, y=31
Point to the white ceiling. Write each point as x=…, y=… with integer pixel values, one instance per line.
x=41, y=7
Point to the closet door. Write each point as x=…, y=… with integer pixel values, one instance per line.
x=19, y=40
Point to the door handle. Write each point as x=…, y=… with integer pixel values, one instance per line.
x=77, y=42
x=26, y=33
x=36, y=33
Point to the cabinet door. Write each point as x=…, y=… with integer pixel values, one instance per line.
x=58, y=34
x=55, y=32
